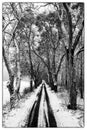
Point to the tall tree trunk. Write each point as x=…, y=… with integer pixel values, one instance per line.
x=53, y=62
x=31, y=64
x=66, y=81
x=51, y=83
x=10, y=84
x=81, y=79
x=55, y=82
x=17, y=85
x=36, y=82
x=12, y=92
x=67, y=69
x=81, y=82
x=50, y=78
x=31, y=71
x=54, y=71
x=71, y=63
x=72, y=47
x=17, y=78
x=72, y=83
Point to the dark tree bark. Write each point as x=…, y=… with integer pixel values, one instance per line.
x=17, y=76
x=30, y=59
x=50, y=80
x=53, y=61
x=37, y=76
x=81, y=80
x=71, y=64
x=54, y=70
x=73, y=94
x=14, y=80
x=67, y=69
x=66, y=74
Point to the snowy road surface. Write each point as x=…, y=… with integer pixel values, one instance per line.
x=41, y=109
x=41, y=114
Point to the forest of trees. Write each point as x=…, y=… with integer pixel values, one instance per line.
x=46, y=45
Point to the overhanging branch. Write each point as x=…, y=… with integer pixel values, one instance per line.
x=78, y=36
x=40, y=58
x=80, y=50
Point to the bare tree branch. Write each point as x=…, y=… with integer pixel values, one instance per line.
x=8, y=24
x=80, y=50
x=40, y=58
x=78, y=36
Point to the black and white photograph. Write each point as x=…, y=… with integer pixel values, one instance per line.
x=43, y=64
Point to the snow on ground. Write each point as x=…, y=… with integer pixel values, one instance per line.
x=6, y=95
x=18, y=116
x=65, y=117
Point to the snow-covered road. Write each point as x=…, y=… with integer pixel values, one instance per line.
x=41, y=109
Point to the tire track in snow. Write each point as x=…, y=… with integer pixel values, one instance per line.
x=51, y=118
x=41, y=114
x=33, y=117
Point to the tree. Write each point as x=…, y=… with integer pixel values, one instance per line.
x=70, y=17
x=12, y=23
x=72, y=43
x=58, y=33
x=7, y=39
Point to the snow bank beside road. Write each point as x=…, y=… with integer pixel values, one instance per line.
x=64, y=117
x=18, y=116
